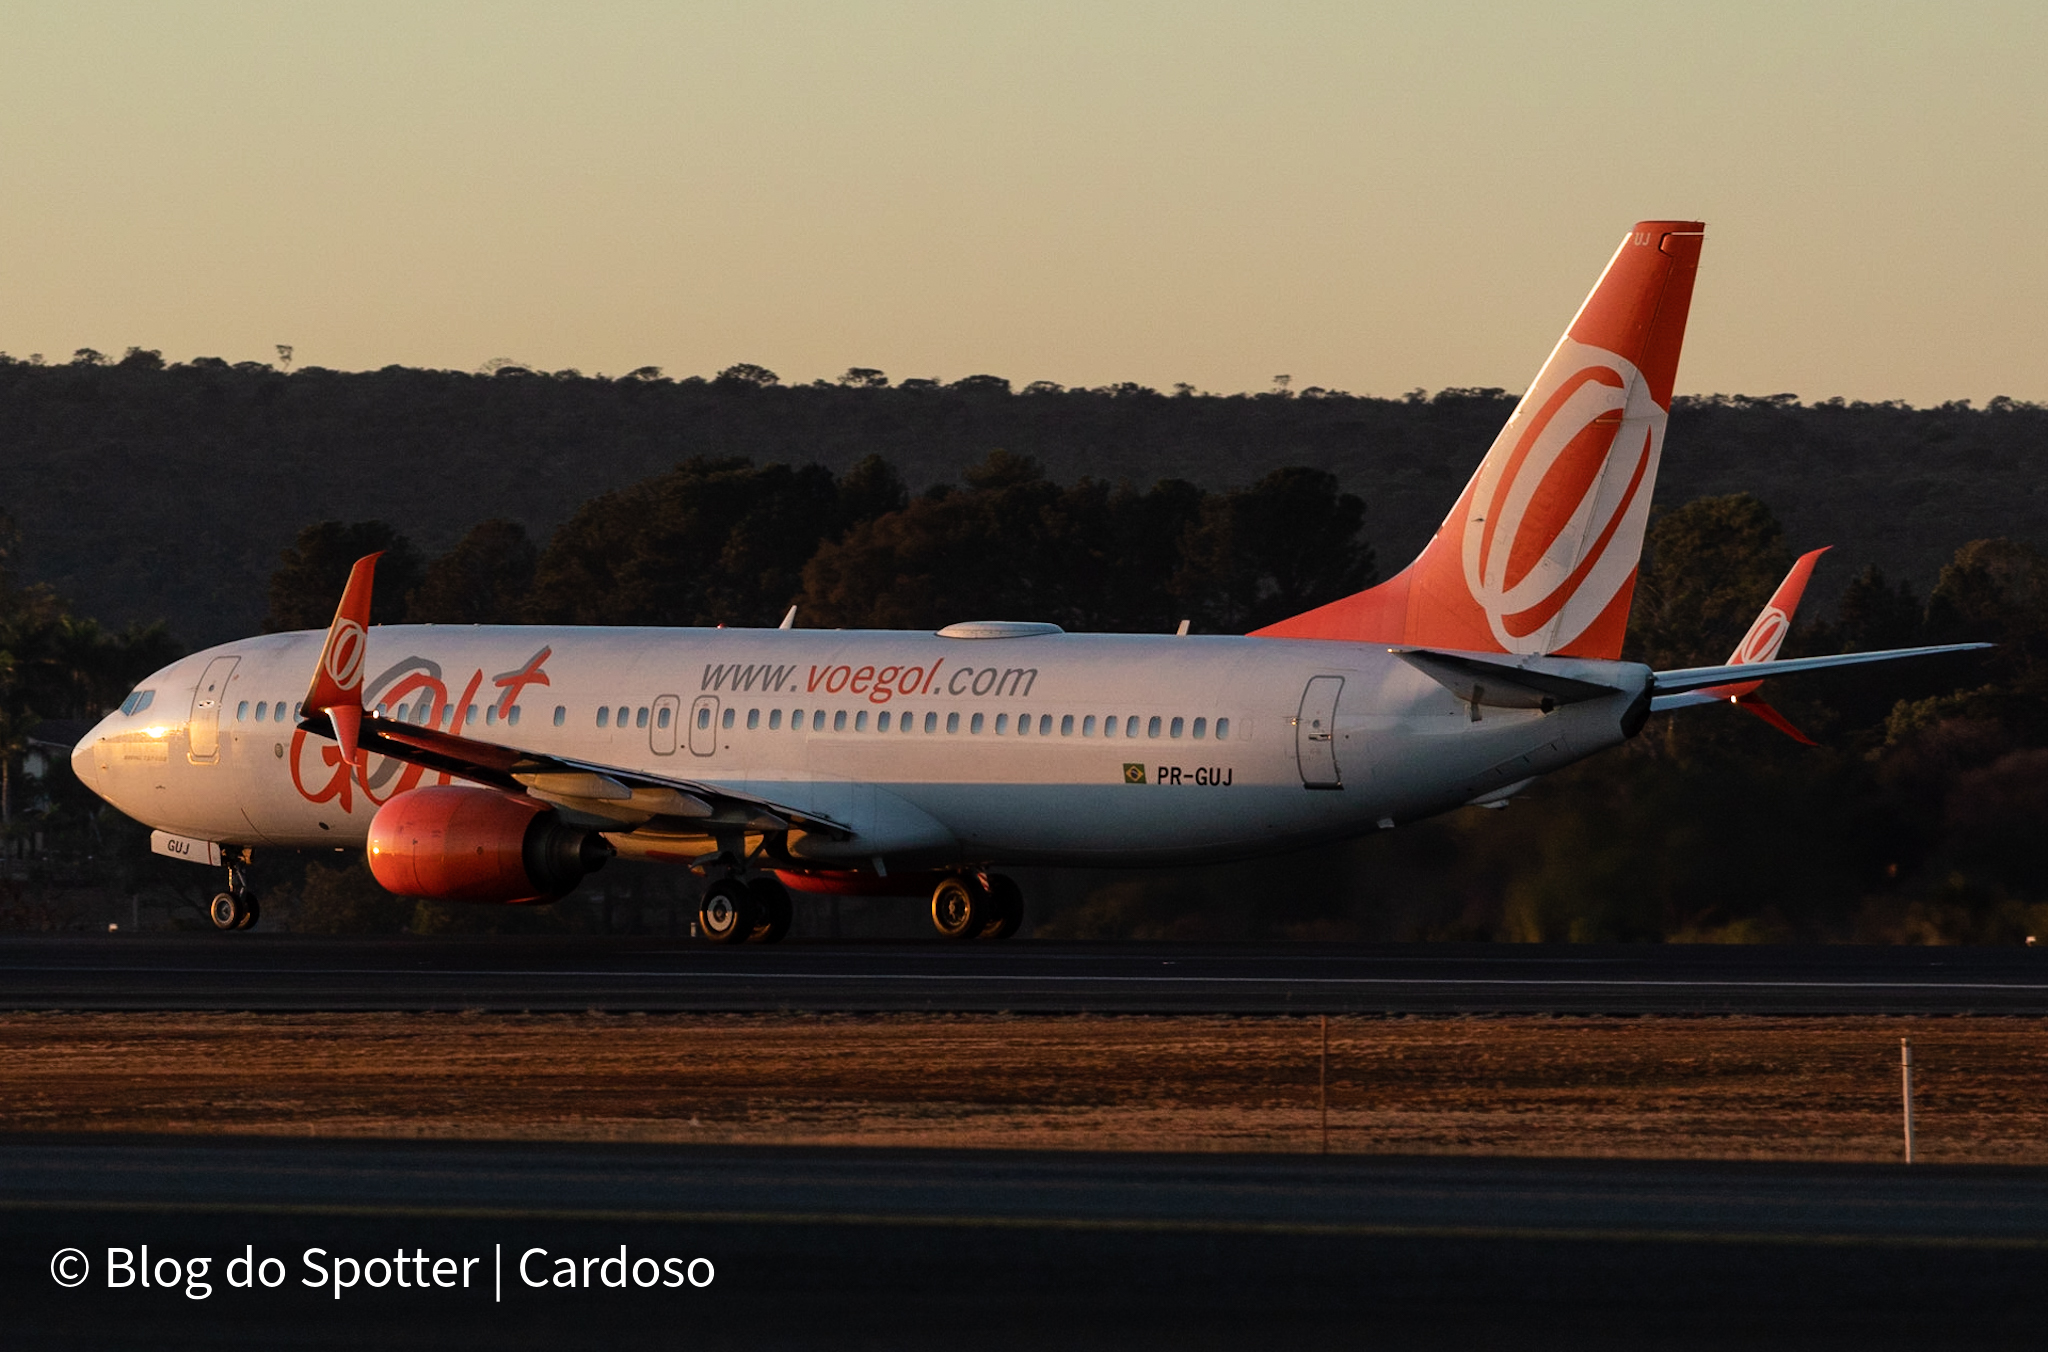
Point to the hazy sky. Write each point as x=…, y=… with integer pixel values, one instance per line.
x=1372, y=197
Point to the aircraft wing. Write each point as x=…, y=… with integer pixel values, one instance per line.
x=607, y=797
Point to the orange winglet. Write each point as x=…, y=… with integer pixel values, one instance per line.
x=337, y=689
x=1767, y=632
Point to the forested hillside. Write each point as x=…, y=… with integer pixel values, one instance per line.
x=144, y=491
x=227, y=500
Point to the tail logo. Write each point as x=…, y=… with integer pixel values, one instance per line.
x=1555, y=519
x=1764, y=638
x=346, y=652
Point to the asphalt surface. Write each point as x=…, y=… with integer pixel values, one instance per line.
x=306, y=973
x=997, y=1250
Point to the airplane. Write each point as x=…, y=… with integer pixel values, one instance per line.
x=503, y=764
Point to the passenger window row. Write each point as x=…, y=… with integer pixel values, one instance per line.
x=862, y=720
x=279, y=712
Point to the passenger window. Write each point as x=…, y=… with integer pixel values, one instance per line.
x=1088, y=726
x=561, y=714
x=640, y=717
x=242, y=711
x=1131, y=726
x=604, y=715
x=796, y=720
x=704, y=717
x=817, y=720
x=1151, y=728
x=775, y=719
x=860, y=721
x=726, y=720
x=1222, y=729
x=1045, y=725
x=661, y=717
x=1201, y=728
x=952, y=722
x=975, y=725
x=931, y=721
x=623, y=713
x=839, y=720
x=882, y=721
x=1067, y=725
x=490, y=714
x=261, y=706
x=1002, y=723
x=753, y=719
x=469, y=716
x=512, y=716
x=1173, y=729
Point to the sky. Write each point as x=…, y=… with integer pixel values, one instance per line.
x=1374, y=198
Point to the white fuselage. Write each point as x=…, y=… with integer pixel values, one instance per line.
x=1043, y=749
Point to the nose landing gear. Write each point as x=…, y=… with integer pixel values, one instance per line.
x=237, y=908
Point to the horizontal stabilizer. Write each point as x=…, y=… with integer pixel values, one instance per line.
x=1692, y=681
x=1501, y=682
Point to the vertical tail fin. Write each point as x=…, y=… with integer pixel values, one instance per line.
x=1539, y=555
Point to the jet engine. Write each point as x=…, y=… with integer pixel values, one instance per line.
x=461, y=843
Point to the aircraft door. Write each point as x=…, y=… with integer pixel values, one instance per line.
x=204, y=724
x=661, y=733
x=704, y=725
x=1315, y=729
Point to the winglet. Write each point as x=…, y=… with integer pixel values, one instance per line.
x=1766, y=635
x=337, y=689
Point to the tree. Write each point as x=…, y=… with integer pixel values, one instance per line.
x=310, y=575
x=747, y=373
x=715, y=541
x=1288, y=543
x=484, y=579
x=1707, y=569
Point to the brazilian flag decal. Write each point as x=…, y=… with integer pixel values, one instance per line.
x=1134, y=774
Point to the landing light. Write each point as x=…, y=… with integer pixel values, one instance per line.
x=158, y=731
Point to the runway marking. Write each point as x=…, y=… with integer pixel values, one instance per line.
x=1079, y=1224
x=1016, y=977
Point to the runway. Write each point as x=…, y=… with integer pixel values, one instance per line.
x=261, y=972
x=914, y=1248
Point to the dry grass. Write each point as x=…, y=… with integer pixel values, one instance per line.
x=1741, y=1088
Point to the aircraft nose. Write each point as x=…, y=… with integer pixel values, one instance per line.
x=85, y=761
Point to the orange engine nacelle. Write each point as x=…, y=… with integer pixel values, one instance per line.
x=458, y=843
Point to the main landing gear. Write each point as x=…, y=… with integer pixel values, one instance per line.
x=977, y=906
x=237, y=908
x=736, y=912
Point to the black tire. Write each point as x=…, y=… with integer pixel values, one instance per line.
x=959, y=907
x=726, y=914
x=226, y=911
x=773, y=910
x=252, y=911
x=1005, y=909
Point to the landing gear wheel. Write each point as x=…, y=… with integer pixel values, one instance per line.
x=252, y=911
x=229, y=912
x=959, y=906
x=773, y=910
x=1005, y=909
x=726, y=915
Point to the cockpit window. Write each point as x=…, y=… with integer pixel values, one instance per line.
x=137, y=701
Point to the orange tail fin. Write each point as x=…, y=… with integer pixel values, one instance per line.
x=1539, y=555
